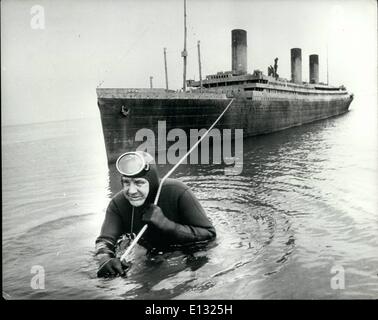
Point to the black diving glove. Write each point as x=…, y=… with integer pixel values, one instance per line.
x=153, y=215
x=111, y=267
x=179, y=233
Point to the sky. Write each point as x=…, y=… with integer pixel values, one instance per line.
x=50, y=70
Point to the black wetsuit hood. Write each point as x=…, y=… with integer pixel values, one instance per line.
x=152, y=176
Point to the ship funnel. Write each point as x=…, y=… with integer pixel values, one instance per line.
x=239, y=51
x=314, y=68
x=296, y=65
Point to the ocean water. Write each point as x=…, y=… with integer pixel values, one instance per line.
x=299, y=222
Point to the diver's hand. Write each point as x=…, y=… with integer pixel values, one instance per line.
x=111, y=267
x=153, y=215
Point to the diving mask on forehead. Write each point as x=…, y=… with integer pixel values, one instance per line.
x=131, y=164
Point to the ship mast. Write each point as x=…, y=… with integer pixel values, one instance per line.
x=199, y=64
x=165, y=67
x=151, y=86
x=184, y=53
x=327, y=66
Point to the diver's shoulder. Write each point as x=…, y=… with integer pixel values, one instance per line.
x=174, y=184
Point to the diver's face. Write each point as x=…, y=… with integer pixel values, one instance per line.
x=135, y=190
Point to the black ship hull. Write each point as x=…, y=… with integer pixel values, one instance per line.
x=123, y=117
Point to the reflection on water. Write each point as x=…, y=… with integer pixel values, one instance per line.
x=304, y=203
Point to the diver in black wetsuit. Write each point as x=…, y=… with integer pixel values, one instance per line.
x=177, y=220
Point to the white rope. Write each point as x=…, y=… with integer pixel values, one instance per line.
x=166, y=177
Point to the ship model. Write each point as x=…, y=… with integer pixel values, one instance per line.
x=261, y=104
